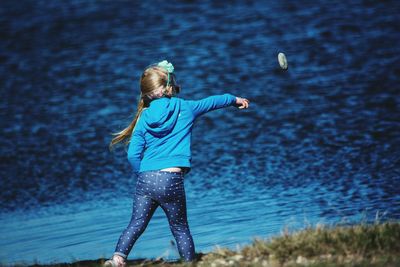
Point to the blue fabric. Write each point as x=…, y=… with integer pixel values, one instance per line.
x=153, y=189
x=162, y=136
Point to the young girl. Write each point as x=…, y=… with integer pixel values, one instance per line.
x=159, y=152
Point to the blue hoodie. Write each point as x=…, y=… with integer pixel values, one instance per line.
x=162, y=135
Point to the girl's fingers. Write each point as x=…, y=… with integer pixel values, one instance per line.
x=243, y=102
x=244, y=105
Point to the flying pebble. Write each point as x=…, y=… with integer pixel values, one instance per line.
x=282, y=61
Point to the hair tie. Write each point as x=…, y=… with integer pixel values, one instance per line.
x=168, y=67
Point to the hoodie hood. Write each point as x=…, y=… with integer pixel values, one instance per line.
x=161, y=116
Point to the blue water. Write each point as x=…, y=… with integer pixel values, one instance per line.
x=320, y=143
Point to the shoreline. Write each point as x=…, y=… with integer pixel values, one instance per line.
x=355, y=245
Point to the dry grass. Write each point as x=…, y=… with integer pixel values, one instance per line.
x=358, y=245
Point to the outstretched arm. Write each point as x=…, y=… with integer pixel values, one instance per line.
x=199, y=107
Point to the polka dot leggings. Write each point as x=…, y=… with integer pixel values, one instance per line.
x=153, y=189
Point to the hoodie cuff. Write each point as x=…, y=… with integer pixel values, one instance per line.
x=232, y=98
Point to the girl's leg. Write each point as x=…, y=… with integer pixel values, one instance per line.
x=174, y=207
x=143, y=210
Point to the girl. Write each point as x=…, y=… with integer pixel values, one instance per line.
x=159, y=152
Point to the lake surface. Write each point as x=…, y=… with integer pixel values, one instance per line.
x=320, y=143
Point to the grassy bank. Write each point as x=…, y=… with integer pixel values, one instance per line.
x=358, y=245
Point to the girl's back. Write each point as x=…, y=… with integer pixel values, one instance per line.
x=162, y=137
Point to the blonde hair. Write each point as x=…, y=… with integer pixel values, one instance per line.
x=152, y=85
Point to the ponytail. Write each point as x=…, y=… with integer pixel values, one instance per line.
x=152, y=79
x=127, y=132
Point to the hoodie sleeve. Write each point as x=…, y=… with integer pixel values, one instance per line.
x=135, y=150
x=199, y=107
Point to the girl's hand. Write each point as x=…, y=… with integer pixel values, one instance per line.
x=242, y=102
